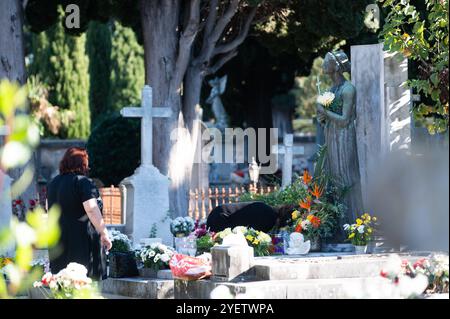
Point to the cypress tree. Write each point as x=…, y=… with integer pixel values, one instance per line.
x=98, y=46
x=61, y=62
x=127, y=67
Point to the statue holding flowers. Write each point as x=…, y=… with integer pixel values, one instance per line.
x=336, y=111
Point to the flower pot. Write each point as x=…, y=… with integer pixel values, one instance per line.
x=185, y=245
x=122, y=265
x=360, y=250
x=316, y=244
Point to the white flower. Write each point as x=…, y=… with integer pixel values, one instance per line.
x=361, y=229
x=53, y=285
x=165, y=257
x=326, y=99
x=346, y=226
x=305, y=224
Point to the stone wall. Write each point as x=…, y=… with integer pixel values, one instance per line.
x=50, y=153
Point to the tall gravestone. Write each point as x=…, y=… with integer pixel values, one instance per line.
x=382, y=108
x=146, y=195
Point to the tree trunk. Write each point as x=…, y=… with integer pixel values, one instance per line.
x=191, y=94
x=12, y=65
x=160, y=30
x=192, y=90
x=12, y=53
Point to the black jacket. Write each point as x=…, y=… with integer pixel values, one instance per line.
x=257, y=215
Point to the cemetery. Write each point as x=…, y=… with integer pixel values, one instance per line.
x=224, y=150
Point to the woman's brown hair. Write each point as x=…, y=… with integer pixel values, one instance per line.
x=75, y=160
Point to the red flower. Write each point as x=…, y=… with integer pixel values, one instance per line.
x=317, y=191
x=306, y=177
x=383, y=274
x=306, y=204
x=298, y=228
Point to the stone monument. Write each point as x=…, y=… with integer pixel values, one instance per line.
x=382, y=106
x=338, y=120
x=146, y=192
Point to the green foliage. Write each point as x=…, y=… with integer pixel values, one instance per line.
x=114, y=149
x=52, y=121
x=291, y=195
x=204, y=244
x=40, y=230
x=127, y=67
x=62, y=64
x=98, y=46
x=422, y=36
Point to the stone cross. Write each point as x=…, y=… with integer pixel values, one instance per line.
x=147, y=184
x=289, y=151
x=146, y=112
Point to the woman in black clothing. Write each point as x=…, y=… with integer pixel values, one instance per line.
x=256, y=215
x=83, y=230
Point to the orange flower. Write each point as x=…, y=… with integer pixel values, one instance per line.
x=306, y=204
x=298, y=228
x=315, y=221
x=306, y=177
x=317, y=191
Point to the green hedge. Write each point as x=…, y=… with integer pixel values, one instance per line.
x=114, y=149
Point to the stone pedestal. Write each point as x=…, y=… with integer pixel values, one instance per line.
x=231, y=262
x=146, y=201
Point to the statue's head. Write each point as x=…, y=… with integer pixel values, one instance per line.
x=336, y=62
x=218, y=87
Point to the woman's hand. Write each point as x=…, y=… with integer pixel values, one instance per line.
x=106, y=242
x=321, y=117
x=320, y=108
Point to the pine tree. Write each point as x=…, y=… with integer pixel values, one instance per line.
x=127, y=68
x=98, y=46
x=61, y=62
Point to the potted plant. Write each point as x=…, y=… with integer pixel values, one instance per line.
x=203, y=237
x=154, y=257
x=121, y=258
x=308, y=224
x=180, y=228
x=360, y=233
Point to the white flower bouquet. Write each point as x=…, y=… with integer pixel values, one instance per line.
x=155, y=256
x=120, y=242
x=326, y=99
x=182, y=226
x=70, y=283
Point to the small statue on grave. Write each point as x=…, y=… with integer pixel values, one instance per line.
x=218, y=87
x=297, y=244
x=336, y=110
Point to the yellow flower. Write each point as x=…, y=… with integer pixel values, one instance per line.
x=359, y=221
x=249, y=237
x=295, y=214
x=369, y=230
x=374, y=219
x=256, y=241
x=351, y=235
